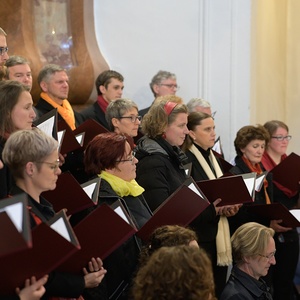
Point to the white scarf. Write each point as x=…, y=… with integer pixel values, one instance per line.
x=224, y=251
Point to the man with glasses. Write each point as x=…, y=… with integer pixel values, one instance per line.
x=109, y=86
x=163, y=83
x=3, y=51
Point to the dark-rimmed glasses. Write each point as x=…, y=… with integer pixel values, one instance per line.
x=131, y=158
x=171, y=86
x=132, y=118
x=281, y=138
x=3, y=50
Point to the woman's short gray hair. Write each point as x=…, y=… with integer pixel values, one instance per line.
x=23, y=146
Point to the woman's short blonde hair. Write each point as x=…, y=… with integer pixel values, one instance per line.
x=250, y=240
x=157, y=119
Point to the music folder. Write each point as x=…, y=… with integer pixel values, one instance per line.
x=15, y=232
x=48, y=123
x=180, y=208
x=88, y=130
x=52, y=244
x=276, y=211
x=71, y=195
x=287, y=172
x=232, y=190
x=99, y=233
x=68, y=141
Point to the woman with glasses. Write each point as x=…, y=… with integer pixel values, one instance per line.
x=253, y=250
x=287, y=243
x=111, y=157
x=122, y=117
x=32, y=158
x=16, y=113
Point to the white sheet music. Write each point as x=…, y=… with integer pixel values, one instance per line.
x=194, y=189
x=296, y=213
x=15, y=212
x=120, y=212
x=60, y=135
x=60, y=227
x=90, y=189
x=47, y=125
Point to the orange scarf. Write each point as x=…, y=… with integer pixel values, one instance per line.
x=257, y=169
x=65, y=110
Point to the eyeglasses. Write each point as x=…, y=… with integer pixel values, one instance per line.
x=54, y=166
x=171, y=86
x=132, y=118
x=269, y=256
x=3, y=50
x=131, y=158
x=281, y=138
x=213, y=114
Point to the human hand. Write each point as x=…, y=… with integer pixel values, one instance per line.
x=96, y=273
x=33, y=289
x=277, y=227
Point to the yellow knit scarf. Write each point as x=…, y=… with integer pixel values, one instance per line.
x=65, y=110
x=122, y=187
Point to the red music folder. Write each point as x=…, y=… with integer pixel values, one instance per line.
x=232, y=189
x=275, y=211
x=181, y=208
x=50, y=248
x=69, y=194
x=88, y=130
x=66, y=138
x=99, y=234
x=15, y=232
x=287, y=172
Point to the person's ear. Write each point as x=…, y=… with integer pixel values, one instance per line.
x=44, y=86
x=156, y=88
x=192, y=135
x=115, y=122
x=102, y=89
x=29, y=169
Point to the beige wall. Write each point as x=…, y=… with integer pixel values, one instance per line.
x=275, y=89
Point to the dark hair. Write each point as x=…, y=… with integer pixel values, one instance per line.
x=194, y=119
x=247, y=134
x=181, y=273
x=10, y=92
x=105, y=77
x=167, y=236
x=104, y=150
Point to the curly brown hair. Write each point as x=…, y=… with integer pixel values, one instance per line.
x=180, y=272
x=247, y=134
x=166, y=236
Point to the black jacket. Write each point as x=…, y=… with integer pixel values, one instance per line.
x=242, y=286
x=160, y=169
x=93, y=112
x=122, y=263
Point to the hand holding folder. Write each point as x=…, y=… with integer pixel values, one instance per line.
x=276, y=211
x=52, y=244
x=232, y=190
x=71, y=195
x=181, y=208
